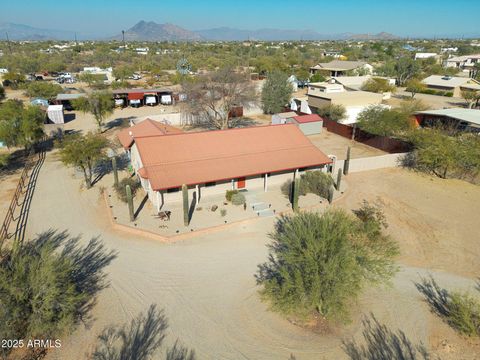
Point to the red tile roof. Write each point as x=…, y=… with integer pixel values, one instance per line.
x=207, y=156
x=145, y=128
x=302, y=119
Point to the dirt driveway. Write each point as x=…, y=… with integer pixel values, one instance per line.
x=206, y=284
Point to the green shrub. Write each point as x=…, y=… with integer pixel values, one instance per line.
x=464, y=313
x=120, y=188
x=319, y=263
x=315, y=182
x=229, y=194
x=238, y=199
x=458, y=309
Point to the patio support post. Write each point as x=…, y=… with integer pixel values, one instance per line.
x=197, y=189
x=128, y=190
x=115, y=171
x=265, y=184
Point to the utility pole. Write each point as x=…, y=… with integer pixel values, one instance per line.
x=123, y=39
x=8, y=43
x=76, y=39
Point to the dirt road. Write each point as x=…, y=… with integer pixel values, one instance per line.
x=206, y=284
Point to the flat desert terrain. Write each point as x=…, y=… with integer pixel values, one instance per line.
x=206, y=284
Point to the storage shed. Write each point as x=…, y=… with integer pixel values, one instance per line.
x=282, y=118
x=308, y=124
x=55, y=114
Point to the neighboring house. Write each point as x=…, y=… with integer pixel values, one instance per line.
x=282, y=118
x=465, y=62
x=457, y=118
x=451, y=84
x=449, y=49
x=342, y=67
x=140, y=97
x=324, y=94
x=212, y=162
x=308, y=124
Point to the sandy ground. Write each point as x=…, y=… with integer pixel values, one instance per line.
x=206, y=284
x=432, y=101
x=333, y=144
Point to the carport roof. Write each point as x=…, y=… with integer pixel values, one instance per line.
x=145, y=128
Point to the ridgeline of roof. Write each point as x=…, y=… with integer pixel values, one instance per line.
x=64, y=97
x=471, y=116
x=129, y=91
x=303, y=119
x=145, y=128
x=450, y=81
x=463, y=58
x=352, y=82
x=339, y=65
x=208, y=156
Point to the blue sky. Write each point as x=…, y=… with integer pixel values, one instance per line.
x=106, y=17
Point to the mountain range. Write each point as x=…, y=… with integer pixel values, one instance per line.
x=152, y=31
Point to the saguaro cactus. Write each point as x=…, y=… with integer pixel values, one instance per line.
x=331, y=190
x=339, y=179
x=115, y=171
x=346, y=165
x=185, y=204
x=296, y=193
x=128, y=190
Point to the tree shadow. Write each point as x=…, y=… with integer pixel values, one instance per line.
x=88, y=263
x=118, y=123
x=180, y=352
x=139, y=340
x=383, y=344
x=437, y=298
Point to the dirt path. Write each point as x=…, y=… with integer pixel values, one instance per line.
x=206, y=285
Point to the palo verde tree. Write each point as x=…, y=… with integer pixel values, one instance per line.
x=415, y=86
x=320, y=263
x=379, y=120
x=48, y=285
x=211, y=98
x=43, y=89
x=378, y=85
x=405, y=68
x=83, y=151
x=276, y=92
x=472, y=98
x=99, y=104
x=332, y=112
x=19, y=125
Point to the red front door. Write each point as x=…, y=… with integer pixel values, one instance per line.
x=241, y=183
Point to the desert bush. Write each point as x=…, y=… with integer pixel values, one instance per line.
x=238, y=199
x=315, y=182
x=120, y=188
x=48, y=285
x=458, y=309
x=319, y=263
x=229, y=194
x=223, y=212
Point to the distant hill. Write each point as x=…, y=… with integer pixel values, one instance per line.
x=151, y=31
x=25, y=32
x=231, y=34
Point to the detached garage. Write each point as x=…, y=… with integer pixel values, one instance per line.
x=308, y=124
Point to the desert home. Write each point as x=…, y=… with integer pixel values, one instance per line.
x=212, y=162
x=452, y=84
x=466, y=62
x=324, y=94
x=457, y=118
x=341, y=67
